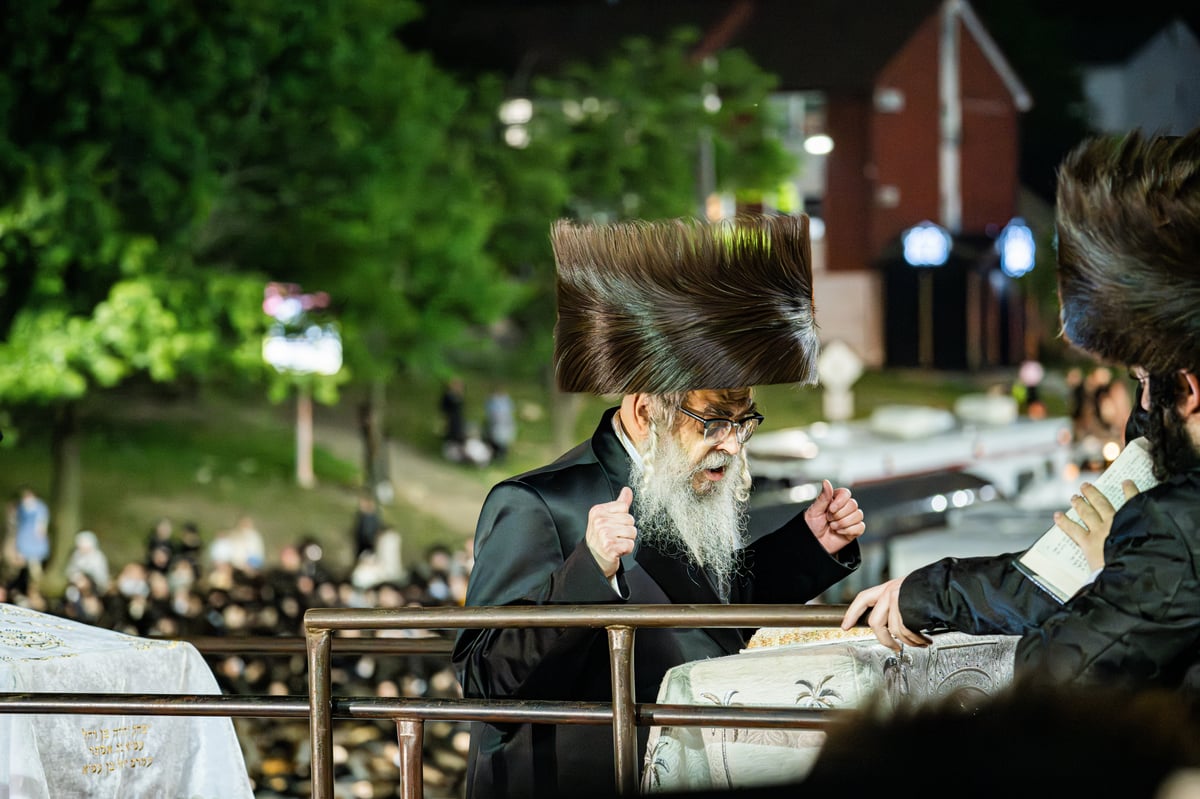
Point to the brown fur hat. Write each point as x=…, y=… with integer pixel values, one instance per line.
x=1128, y=216
x=681, y=305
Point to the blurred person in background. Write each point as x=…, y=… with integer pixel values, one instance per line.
x=1128, y=220
x=161, y=545
x=241, y=547
x=88, y=559
x=452, y=406
x=499, y=423
x=367, y=523
x=1057, y=735
x=32, y=539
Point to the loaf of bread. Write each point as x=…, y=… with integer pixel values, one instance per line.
x=779, y=636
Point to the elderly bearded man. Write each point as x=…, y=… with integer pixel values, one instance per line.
x=680, y=318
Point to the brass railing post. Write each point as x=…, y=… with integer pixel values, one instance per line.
x=320, y=708
x=620, y=652
x=410, y=735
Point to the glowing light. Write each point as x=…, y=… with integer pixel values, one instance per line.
x=516, y=136
x=961, y=498
x=926, y=244
x=1016, y=247
x=938, y=503
x=295, y=342
x=318, y=350
x=818, y=144
x=517, y=111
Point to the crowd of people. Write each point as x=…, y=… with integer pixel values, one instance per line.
x=229, y=586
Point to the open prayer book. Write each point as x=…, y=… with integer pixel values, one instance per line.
x=1055, y=562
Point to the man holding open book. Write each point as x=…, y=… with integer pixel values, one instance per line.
x=1126, y=613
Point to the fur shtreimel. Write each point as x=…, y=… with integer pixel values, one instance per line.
x=1128, y=216
x=680, y=305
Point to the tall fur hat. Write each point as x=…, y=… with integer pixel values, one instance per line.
x=681, y=305
x=1128, y=217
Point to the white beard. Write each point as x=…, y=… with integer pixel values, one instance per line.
x=708, y=528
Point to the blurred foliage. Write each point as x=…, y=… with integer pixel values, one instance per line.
x=620, y=139
x=162, y=161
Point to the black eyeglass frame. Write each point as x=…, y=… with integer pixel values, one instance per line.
x=742, y=426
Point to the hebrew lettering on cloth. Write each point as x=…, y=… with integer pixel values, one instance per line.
x=48, y=756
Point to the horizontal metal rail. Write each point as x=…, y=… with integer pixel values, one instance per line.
x=289, y=645
x=156, y=704
x=623, y=713
x=388, y=709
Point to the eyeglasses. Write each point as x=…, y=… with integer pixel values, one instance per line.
x=717, y=430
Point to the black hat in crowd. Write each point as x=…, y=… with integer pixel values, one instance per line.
x=681, y=305
x=1128, y=215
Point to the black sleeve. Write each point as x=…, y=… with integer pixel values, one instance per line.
x=790, y=565
x=519, y=560
x=1138, y=623
x=980, y=596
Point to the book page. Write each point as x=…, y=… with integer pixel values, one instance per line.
x=1055, y=562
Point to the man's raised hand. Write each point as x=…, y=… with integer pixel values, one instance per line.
x=834, y=517
x=611, y=532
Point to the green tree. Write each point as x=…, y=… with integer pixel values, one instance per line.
x=162, y=161
x=106, y=171
x=353, y=178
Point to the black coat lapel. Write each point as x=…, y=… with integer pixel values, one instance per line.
x=687, y=585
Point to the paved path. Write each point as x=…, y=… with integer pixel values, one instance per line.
x=441, y=489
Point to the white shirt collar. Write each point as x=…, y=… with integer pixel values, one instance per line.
x=619, y=429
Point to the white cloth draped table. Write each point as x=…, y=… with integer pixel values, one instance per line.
x=51, y=756
x=836, y=674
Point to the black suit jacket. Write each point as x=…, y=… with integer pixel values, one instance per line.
x=530, y=549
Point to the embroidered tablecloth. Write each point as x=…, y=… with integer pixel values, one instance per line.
x=52, y=756
x=837, y=674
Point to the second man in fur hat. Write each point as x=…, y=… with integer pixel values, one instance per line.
x=1128, y=220
x=680, y=319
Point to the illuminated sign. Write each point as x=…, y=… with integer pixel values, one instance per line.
x=296, y=342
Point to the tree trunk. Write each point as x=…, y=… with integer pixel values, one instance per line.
x=305, y=477
x=65, y=499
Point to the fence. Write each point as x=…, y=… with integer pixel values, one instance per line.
x=321, y=706
x=624, y=714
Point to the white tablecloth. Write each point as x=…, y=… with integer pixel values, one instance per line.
x=54, y=756
x=842, y=674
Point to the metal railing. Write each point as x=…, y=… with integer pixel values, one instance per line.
x=321, y=707
x=623, y=713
